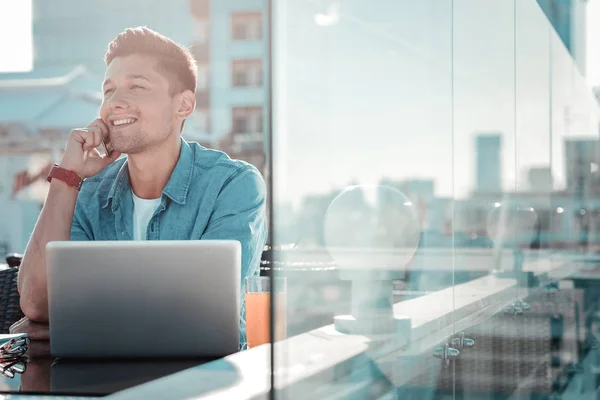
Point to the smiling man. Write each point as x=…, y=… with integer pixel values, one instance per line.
x=164, y=189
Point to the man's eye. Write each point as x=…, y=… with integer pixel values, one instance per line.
x=107, y=91
x=137, y=87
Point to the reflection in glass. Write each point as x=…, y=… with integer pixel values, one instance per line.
x=513, y=225
x=371, y=227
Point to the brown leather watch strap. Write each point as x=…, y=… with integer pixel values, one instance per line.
x=69, y=177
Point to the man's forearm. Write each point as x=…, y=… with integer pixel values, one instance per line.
x=54, y=224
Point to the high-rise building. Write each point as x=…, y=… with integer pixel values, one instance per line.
x=235, y=36
x=582, y=163
x=417, y=188
x=568, y=19
x=488, y=147
x=540, y=179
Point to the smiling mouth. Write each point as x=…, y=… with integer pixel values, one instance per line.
x=123, y=122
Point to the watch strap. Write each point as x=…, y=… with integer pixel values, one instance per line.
x=65, y=175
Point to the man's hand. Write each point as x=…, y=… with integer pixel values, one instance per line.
x=81, y=155
x=39, y=333
x=35, y=330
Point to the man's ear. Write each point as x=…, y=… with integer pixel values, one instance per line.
x=187, y=103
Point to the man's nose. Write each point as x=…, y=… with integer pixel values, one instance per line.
x=116, y=101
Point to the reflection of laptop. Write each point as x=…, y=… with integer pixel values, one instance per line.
x=144, y=298
x=99, y=377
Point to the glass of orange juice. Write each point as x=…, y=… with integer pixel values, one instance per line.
x=258, y=307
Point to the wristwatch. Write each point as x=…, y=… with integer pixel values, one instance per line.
x=69, y=177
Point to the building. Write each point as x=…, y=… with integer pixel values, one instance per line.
x=488, y=148
x=231, y=45
x=540, y=179
x=582, y=164
x=568, y=19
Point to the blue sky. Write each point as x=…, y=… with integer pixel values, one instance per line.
x=15, y=36
x=593, y=42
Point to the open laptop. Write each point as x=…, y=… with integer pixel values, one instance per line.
x=144, y=298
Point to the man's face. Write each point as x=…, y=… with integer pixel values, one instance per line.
x=138, y=106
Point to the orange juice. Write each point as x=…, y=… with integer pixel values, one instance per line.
x=258, y=318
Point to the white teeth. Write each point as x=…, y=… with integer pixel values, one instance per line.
x=123, y=121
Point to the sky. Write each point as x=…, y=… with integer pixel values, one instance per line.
x=593, y=42
x=15, y=36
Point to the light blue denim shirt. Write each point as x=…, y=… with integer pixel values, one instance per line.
x=209, y=196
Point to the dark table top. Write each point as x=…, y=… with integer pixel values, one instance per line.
x=94, y=377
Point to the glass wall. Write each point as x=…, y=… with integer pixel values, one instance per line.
x=434, y=166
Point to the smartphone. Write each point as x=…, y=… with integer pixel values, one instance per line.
x=108, y=150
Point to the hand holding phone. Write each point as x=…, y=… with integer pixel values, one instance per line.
x=106, y=147
x=81, y=154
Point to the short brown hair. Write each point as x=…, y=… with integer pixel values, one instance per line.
x=173, y=59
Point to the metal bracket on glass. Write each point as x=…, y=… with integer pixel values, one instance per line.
x=446, y=354
x=513, y=310
x=460, y=342
x=522, y=304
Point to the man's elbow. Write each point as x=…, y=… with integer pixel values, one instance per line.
x=34, y=306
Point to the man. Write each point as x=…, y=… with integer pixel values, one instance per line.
x=165, y=189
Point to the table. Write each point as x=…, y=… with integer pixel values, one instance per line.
x=97, y=378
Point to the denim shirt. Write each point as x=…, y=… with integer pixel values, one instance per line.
x=209, y=196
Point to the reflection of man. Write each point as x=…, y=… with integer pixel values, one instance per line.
x=165, y=189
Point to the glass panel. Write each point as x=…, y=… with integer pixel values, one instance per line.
x=486, y=183
x=575, y=150
x=362, y=173
x=491, y=198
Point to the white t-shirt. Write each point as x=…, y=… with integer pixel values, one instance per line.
x=143, y=210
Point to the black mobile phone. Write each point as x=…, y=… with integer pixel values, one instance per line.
x=108, y=150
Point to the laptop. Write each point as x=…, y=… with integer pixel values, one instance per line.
x=148, y=299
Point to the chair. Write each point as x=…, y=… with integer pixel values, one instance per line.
x=10, y=309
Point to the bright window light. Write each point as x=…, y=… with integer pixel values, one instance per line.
x=16, y=42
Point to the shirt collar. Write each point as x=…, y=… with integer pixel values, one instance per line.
x=176, y=189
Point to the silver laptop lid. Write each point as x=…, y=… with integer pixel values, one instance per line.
x=144, y=298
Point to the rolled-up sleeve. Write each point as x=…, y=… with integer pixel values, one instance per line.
x=240, y=214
